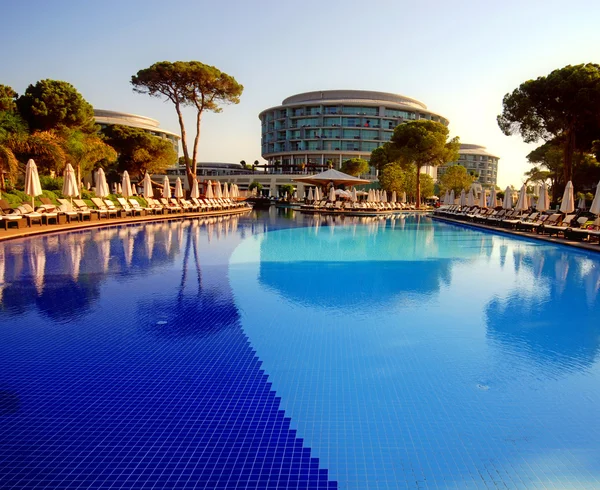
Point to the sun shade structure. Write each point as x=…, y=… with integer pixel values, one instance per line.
x=69, y=188
x=523, y=202
x=178, y=189
x=126, y=185
x=331, y=175
x=310, y=196
x=148, y=192
x=482, y=203
x=543, y=200
x=32, y=181
x=209, y=190
x=195, y=191
x=493, y=198
x=568, y=205
x=102, y=189
x=595, y=207
x=166, y=193
x=507, y=203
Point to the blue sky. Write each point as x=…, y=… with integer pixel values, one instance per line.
x=459, y=58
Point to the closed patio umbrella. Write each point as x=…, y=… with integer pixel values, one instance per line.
x=33, y=187
x=446, y=198
x=70, y=188
x=543, y=201
x=595, y=207
x=310, y=196
x=482, y=200
x=166, y=192
x=522, y=203
x=394, y=196
x=126, y=185
x=463, y=198
x=148, y=191
x=581, y=203
x=178, y=189
x=218, y=192
x=470, y=198
x=102, y=189
x=195, y=191
x=493, y=198
x=568, y=205
x=403, y=197
x=332, y=194
x=209, y=190
x=507, y=203
x=354, y=196
x=452, y=198
x=225, y=191
x=119, y=189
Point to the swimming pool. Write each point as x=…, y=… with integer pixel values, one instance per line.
x=282, y=351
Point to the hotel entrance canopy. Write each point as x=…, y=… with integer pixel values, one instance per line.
x=335, y=176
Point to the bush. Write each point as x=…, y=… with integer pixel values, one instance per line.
x=50, y=183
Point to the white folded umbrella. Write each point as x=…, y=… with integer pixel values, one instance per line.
x=126, y=185
x=568, y=205
x=195, y=193
x=543, y=201
x=33, y=187
x=178, y=189
x=522, y=202
x=507, y=203
x=148, y=191
x=102, y=189
x=595, y=207
x=166, y=193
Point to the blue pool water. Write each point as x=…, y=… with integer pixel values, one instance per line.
x=285, y=351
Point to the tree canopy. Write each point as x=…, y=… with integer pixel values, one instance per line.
x=8, y=99
x=399, y=178
x=455, y=178
x=423, y=143
x=562, y=106
x=54, y=104
x=355, y=166
x=139, y=151
x=188, y=84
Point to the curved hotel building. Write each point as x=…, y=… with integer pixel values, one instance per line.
x=316, y=129
x=107, y=118
x=476, y=159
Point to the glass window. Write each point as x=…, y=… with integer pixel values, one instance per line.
x=351, y=133
x=370, y=135
x=332, y=109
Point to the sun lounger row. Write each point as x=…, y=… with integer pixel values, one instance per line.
x=77, y=210
x=359, y=206
x=571, y=226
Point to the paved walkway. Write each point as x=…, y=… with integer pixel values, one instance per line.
x=13, y=233
x=594, y=247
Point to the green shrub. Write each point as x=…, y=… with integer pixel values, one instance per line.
x=51, y=183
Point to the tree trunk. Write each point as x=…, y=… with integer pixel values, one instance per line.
x=192, y=172
x=418, y=189
x=186, y=155
x=568, y=154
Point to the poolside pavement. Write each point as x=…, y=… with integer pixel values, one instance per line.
x=13, y=233
x=593, y=247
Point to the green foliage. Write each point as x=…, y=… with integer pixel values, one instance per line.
x=51, y=183
x=287, y=189
x=86, y=151
x=255, y=185
x=383, y=155
x=191, y=84
x=8, y=99
x=139, y=151
x=355, y=167
x=399, y=178
x=423, y=143
x=53, y=104
x=562, y=106
x=455, y=178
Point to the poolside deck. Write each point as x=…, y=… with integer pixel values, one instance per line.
x=13, y=233
x=593, y=247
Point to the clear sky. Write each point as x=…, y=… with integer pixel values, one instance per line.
x=460, y=58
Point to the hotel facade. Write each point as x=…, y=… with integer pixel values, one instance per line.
x=315, y=130
x=478, y=161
